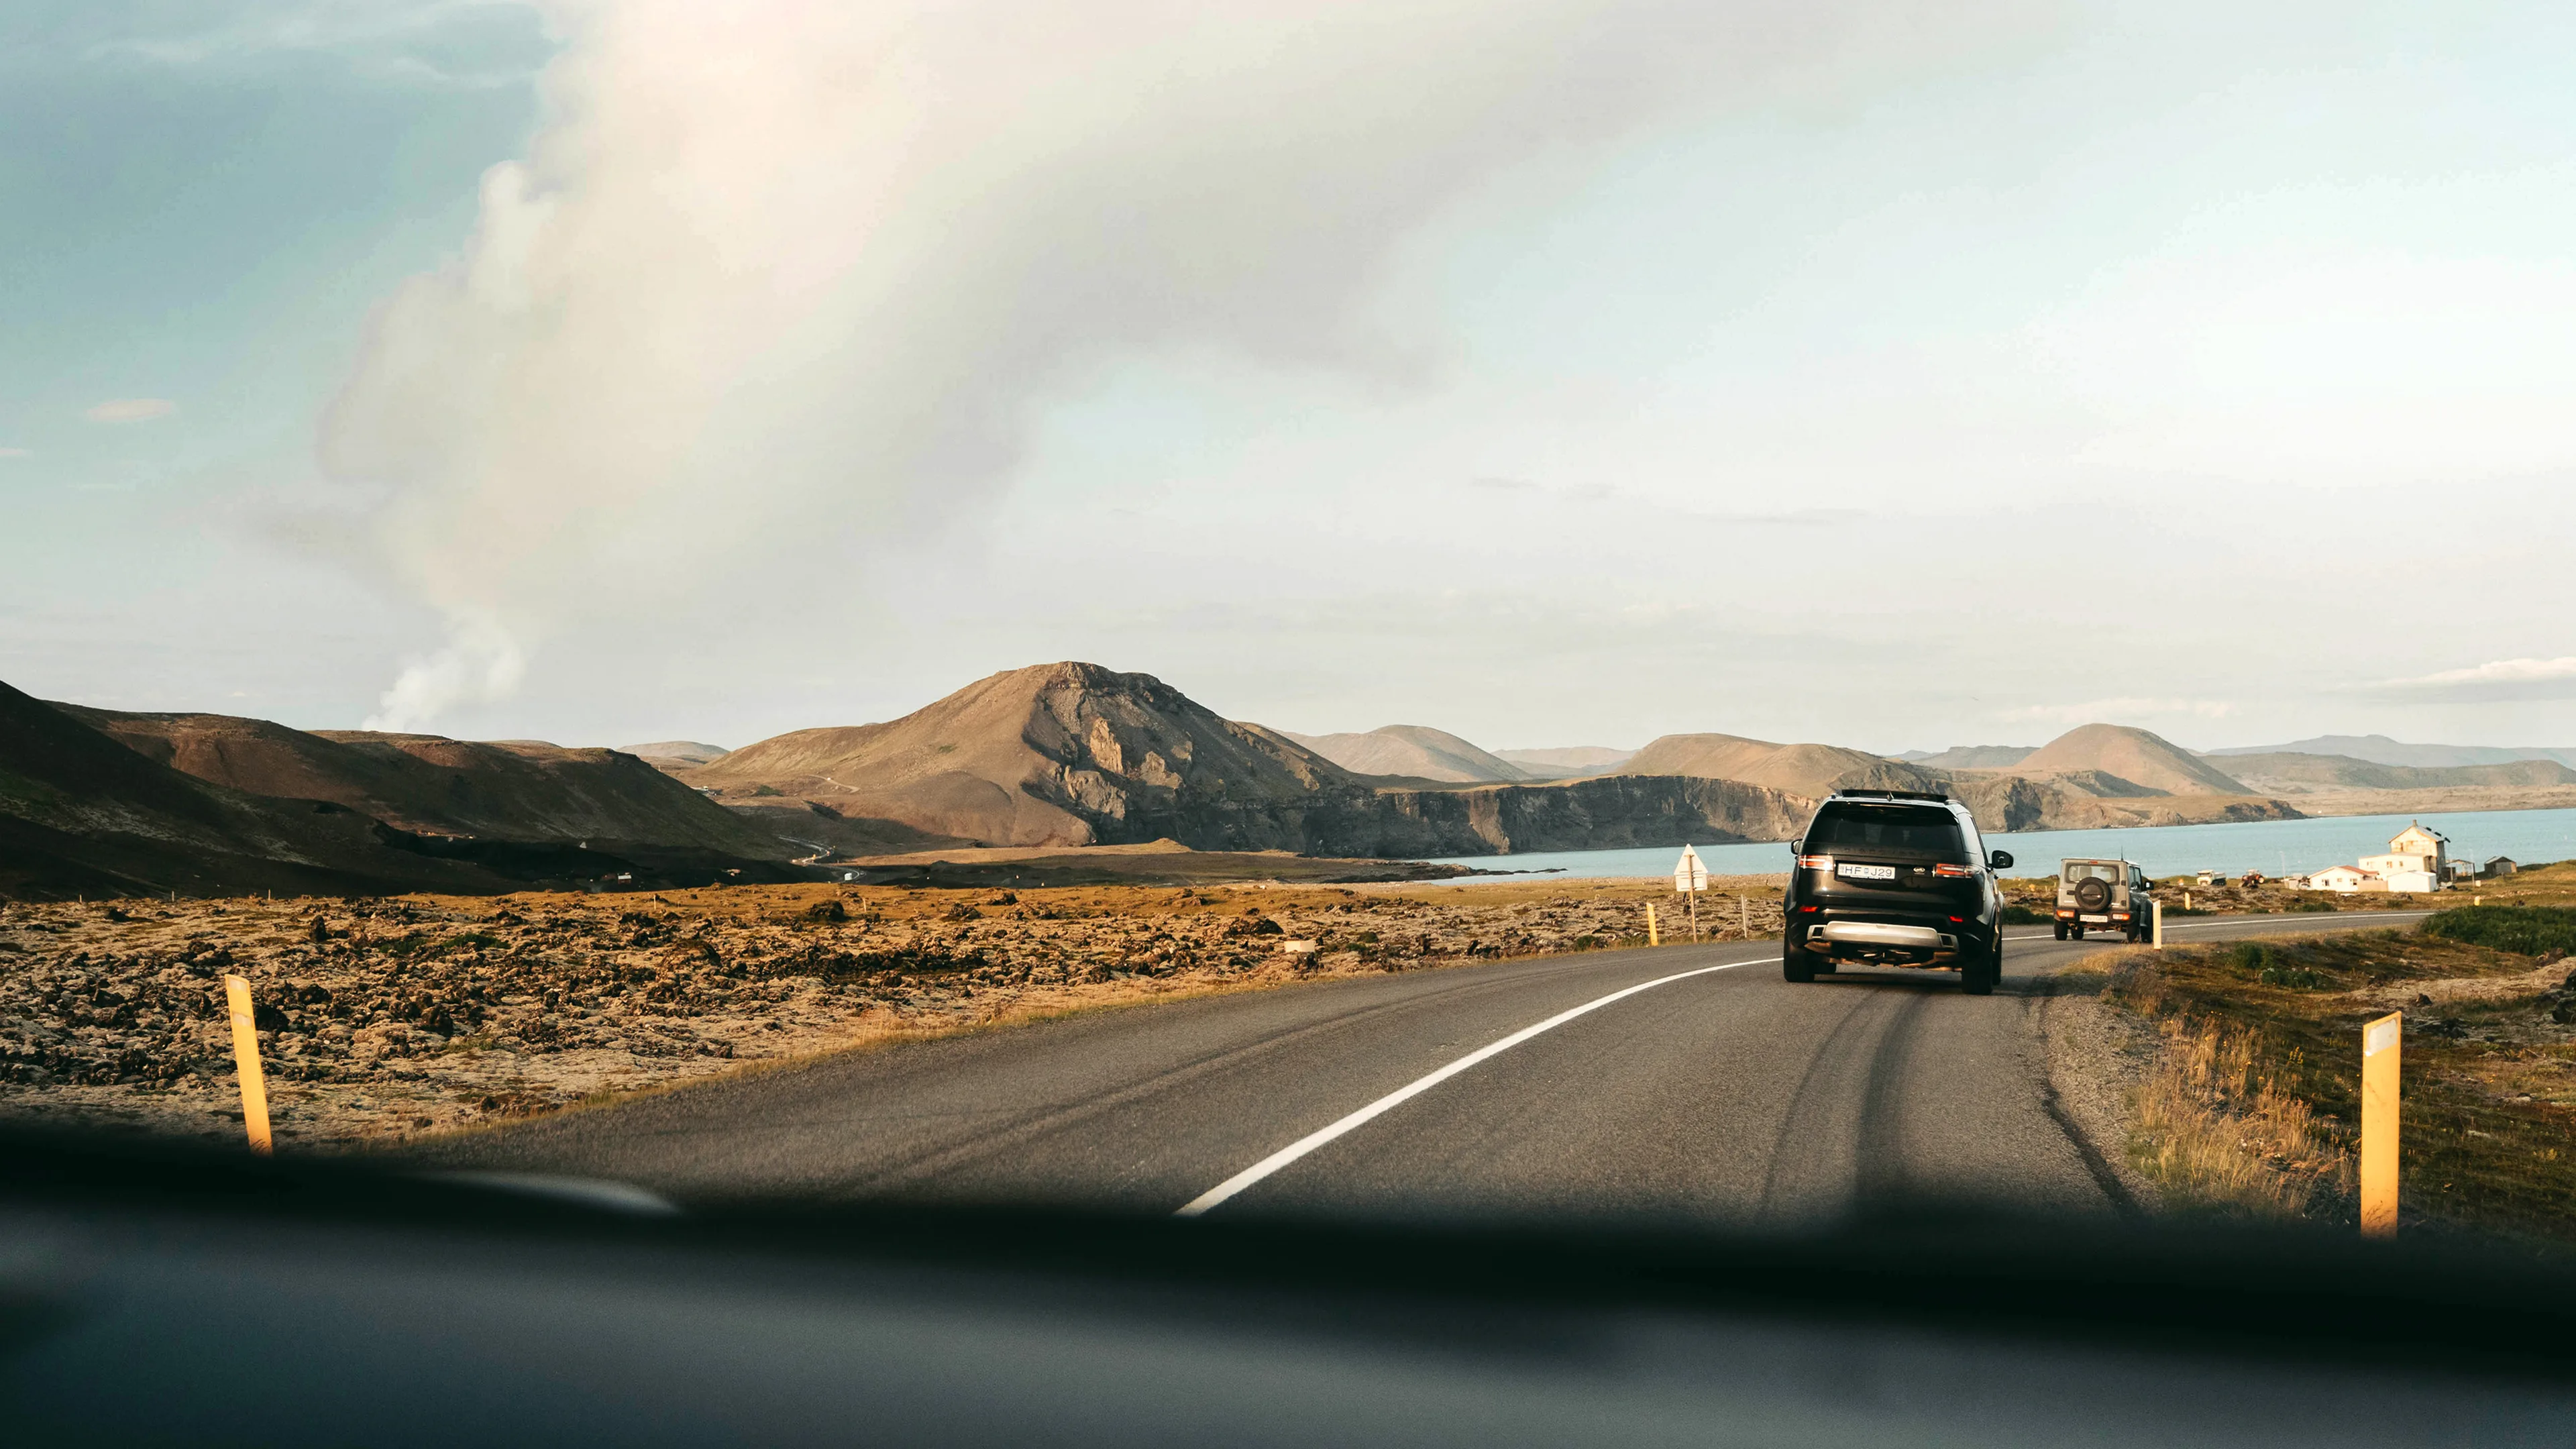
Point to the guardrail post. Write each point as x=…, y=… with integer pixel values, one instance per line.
x=2382, y=1043
x=254, y=1087
x=2156, y=920
x=1653, y=938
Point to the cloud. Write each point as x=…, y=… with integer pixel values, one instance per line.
x=448, y=44
x=2122, y=707
x=129, y=410
x=778, y=281
x=2500, y=679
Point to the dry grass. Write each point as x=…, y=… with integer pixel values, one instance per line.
x=2254, y=1101
x=2214, y=1131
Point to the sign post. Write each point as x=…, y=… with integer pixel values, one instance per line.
x=1690, y=877
x=2382, y=1042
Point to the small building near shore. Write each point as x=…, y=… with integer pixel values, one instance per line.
x=2344, y=878
x=2413, y=881
x=2500, y=865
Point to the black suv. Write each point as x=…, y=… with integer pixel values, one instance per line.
x=1894, y=878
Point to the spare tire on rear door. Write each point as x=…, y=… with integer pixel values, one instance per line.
x=2093, y=895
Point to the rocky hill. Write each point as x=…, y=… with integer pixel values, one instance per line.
x=1416, y=752
x=1055, y=754
x=82, y=813
x=516, y=790
x=2134, y=756
x=1809, y=770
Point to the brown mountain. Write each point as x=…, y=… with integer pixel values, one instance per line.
x=81, y=812
x=1055, y=754
x=520, y=790
x=1812, y=771
x=1416, y=752
x=2135, y=756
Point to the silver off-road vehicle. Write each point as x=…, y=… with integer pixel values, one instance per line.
x=2103, y=895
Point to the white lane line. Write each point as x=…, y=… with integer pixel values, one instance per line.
x=1312, y=1140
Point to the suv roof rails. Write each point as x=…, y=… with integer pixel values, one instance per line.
x=1890, y=794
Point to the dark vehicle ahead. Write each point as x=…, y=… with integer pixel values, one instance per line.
x=1894, y=878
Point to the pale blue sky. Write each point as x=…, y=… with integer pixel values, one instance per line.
x=1832, y=375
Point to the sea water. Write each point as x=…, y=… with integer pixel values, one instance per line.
x=2274, y=847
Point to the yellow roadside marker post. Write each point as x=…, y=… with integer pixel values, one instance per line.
x=254, y=1088
x=1653, y=937
x=2381, y=1044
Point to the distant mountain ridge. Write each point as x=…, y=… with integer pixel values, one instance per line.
x=2298, y=773
x=1972, y=757
x=1416, y=752
x=1810, y=770
x=1568, y=761
x=2381, y=750
x=2133, y=755
x=1075, y=754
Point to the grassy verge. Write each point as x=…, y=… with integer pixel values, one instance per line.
x=2252, y=1105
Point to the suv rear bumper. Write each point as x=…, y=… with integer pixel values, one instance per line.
x=1889, y=942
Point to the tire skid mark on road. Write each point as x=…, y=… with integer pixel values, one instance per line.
x=1030, y=1123
x=1807, y=1110
x=1880, y=1172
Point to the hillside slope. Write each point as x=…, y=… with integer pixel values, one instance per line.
x=81, y=812
x=520, y=790
x=2133, y=755
x=1416, y=752
x=1054, y=754
x=1809, y=770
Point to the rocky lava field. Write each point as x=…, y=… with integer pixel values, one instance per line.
x=386, y=1018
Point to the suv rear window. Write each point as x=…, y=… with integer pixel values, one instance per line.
x=1901, y=829
x=2091, y=870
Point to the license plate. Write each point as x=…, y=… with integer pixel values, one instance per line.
x=1866, y=872
x=2097, y=920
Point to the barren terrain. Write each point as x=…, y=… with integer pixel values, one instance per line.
x=388, y=1018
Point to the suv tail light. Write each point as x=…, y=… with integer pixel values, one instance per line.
x=1954, y=870
x=1815, y=862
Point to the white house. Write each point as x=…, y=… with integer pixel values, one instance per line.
x=2415, y=849
x=2412, y=880
x=2344, y=878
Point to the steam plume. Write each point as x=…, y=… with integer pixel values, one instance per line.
x=804, y=271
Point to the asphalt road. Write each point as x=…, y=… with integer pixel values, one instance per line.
x=1723, y=1092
